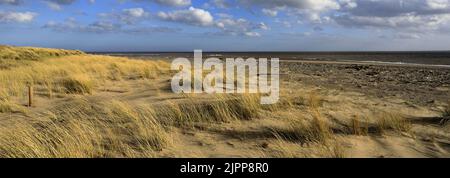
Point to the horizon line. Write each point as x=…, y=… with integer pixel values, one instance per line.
x=312, y=51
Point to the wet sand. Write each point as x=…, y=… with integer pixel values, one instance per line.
x=418, y=84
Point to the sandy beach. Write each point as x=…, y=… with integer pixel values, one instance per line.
x=106, y=106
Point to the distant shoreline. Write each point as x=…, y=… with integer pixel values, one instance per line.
x=433, y=58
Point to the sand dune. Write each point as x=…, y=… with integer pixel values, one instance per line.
x=101, y=106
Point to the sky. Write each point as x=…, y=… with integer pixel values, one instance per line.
x=227, y=25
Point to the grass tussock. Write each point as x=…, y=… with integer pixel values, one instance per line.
x=75, y=74
x=359, y=127
x=447, y=110
x=331, y=150
x=32, y=53
x=222, y=108
x=78, y=84
x=304, y=131
x=392, y=121
x=283, y=149
x=10, y=107
x=81, y=129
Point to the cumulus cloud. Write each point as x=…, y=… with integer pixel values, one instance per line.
x=169, y=2
x=230, y=26
x=174, y=2
x=135, y=12
x=270, y=12
x=310, y=10
x=192, y=16
x=226, y=23
x=412, y=16
x=11, y=2
x=72, y=25
x=314, y=5
x=127, y=16
x=252, y=34
x=391, y=8
x=18, y=17
x=63, y=2
x=224, y=4
x=57, y=4
x=153, y=29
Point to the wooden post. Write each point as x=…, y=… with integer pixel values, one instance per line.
x=30, y=95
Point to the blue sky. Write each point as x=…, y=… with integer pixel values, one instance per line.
x=227, y=25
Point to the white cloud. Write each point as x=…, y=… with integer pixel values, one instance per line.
x=72, y=25
x=240, y=26
x=263, y=26
x=312, y=5
x=170, y=2
x=270, y=12
x=403, y=22
x=405, y=17
x=224, y=4
x=192, y=16
x=438, y=4
x=54, y=6
x=252, y=34
x=127, y=16
x=310, y=10
x=57, y=4
x=10, y=2
x=19, y=17
x=135, y=12
x=226, y=23
x=348, y=4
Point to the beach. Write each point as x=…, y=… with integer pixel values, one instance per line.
x=107, y=106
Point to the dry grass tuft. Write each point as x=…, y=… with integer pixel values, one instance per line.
x=447, y=110
x=304, y=130
x=81, y=129
x=75, y=74
x=392, y=121
x=222, y=108
x=331, y=150
x=359, y=127
x=10, y=107
x=315, y=100
x=32, y=53
x=78, y=84
x=283, y=149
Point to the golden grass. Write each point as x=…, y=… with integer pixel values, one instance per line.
x=83, y=128
x=303, y=130
x=32, y=53
x=10, y=107
x=446, y=112
x=283, y=149
x=80, y=129
x=221, y=108
x=78, y=84
x=359, y=127
x=76, y=74
x=392, y=121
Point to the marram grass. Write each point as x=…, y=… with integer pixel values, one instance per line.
x=74, y=74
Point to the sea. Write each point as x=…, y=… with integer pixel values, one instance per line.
x=438, y=58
